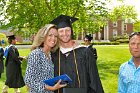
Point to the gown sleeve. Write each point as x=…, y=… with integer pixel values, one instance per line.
x=14, y=54
x=1, y=53
x=95, y=83
x=94, y=51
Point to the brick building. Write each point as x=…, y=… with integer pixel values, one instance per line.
x=7, y=33
x=112, y=29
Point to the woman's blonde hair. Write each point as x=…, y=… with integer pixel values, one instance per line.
x=41, y=35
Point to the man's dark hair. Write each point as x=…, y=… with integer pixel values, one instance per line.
x=134, y=33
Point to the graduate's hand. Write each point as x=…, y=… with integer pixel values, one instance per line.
x=24, y=57
x=56, y=86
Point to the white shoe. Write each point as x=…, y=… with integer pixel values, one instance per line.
x=18, y=92
x=4, y=91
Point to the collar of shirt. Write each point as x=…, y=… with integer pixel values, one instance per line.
x=65, y=50
x=11, y=45
x=131, y=62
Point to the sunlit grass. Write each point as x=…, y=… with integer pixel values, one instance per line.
x=109, y=60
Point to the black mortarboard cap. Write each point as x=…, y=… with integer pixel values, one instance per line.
x=89, y=37
x=63, y=21
x=11, y=37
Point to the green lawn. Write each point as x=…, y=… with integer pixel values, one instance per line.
x=109, y=60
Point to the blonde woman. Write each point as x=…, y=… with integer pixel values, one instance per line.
x=40, y=66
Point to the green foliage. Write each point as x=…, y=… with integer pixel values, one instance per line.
x=137, y=26
x=123, y=41
x=121, y=38
x=103, y=43
x=106, y=43
x=123, y=12
x=24, y=43
x=3, y=36
x=31, y=15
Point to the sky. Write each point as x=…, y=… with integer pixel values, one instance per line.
x=135, y=3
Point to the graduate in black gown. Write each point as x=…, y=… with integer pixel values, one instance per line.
x=75, y=60
x=1, y=61
x=87, y=40
x=14, y=78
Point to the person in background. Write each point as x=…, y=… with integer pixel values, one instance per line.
x=129, y=73
x=1, y=61
x=87, y=41
x=74, y=60
x=3, y=42
x=14, y=78
x=40, y=66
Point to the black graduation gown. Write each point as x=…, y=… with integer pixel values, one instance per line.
x=93, y=50
x=1, y=60
x=87, y=69
x=14, y=77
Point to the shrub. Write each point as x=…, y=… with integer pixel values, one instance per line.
x=3, y=36
x=123, y=40
x=104, y=43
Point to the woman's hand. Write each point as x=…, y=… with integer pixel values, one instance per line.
x=56, y=86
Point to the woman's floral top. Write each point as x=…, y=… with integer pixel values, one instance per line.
x=39, y=68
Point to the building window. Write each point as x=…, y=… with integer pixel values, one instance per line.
x=114, y=32
x=125, y=27
x=114, y=24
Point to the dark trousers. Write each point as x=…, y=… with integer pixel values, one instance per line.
x=0, y=75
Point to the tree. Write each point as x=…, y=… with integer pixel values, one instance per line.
x=3, y=36
x=31, y=15
x=137, y=26
x=123, y=12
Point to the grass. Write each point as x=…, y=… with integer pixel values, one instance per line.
x=109, y=60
